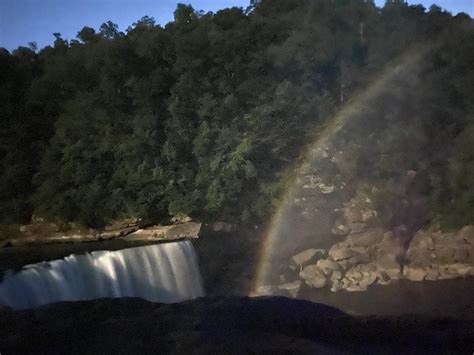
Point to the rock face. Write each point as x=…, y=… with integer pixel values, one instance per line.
x=222, y=326
x=366, y=247
x=437, y=256
x=50, y=233
x=172, y=232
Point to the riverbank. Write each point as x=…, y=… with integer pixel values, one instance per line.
x=40, y=232
x=40, y=241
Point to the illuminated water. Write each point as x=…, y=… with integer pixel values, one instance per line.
x=163, y=273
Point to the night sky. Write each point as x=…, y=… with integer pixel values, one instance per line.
x=23, y=21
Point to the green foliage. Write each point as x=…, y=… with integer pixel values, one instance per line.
x=204, y=116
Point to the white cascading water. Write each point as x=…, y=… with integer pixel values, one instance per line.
x=163, y=273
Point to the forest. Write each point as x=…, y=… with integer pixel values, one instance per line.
x=206, y=116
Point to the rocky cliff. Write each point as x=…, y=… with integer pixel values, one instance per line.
x=339, y=235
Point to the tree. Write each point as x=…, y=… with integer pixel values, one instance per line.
x=109, y=30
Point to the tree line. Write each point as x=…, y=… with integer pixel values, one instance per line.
x=205, y=115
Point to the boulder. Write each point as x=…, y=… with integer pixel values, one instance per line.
x=461, y=269
x=368, y=280
x=341, y=251
x=383, y=278
x=351, y=286
x=305, y=257
x=340, y=230
x=352, y=215
x=366, y=238
x=354, y=275
x=420, y=248
x=446, y=274
x=414, y=273
x=462, y=253
x=291, y=288
x=313, y=276
x=328, y=266
x=445, y=254
x=389, y=264
x=361, y=258
x=389, y=246
x=267, y=290
x=432, y=274
x=368, y=215
x=336, y=286
x=357, y=227
x=345, y=264
x=467, y=234
x=326, y=189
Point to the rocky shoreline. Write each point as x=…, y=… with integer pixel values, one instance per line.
x=376, y=257
x=40, y=233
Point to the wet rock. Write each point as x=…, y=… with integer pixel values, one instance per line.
x=313, y=276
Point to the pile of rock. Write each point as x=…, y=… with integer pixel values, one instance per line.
x=358, y=215
x=359, y=261
x=439, y=256
x=376, y=256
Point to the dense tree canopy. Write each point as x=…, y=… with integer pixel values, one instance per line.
x=204, y=116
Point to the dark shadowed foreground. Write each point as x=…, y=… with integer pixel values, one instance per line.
x=223, y=325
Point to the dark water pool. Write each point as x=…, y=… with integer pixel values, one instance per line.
x=452, y=298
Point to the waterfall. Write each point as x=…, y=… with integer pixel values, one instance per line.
x=163, y=273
